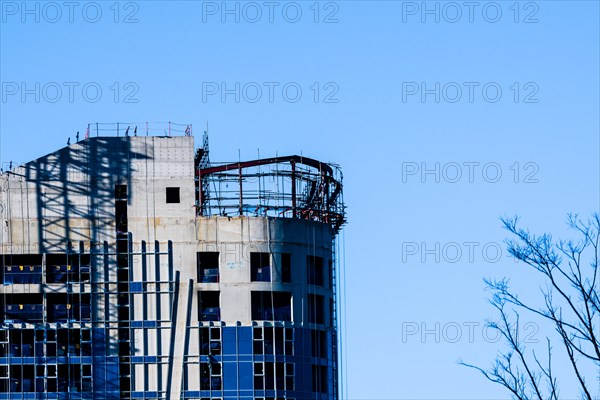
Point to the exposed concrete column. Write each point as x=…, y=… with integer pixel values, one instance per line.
x=181, y=316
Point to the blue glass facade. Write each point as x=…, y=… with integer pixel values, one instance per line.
x=272, y=361
x=39, y=362
x=235, y=362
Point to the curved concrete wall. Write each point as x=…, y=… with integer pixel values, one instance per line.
x=236, y=238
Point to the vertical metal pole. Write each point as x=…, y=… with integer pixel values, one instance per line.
x=241, y=194
x=325, y=217
x=106, y=283
x=200, y=197
x=171, y=283
x=159, y=330
x=131, y=307
x=82, y=285
x=145, y=311
x=293, y=188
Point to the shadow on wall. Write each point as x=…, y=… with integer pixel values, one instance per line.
x=75, y=191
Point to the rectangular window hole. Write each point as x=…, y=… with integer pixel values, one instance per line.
x=173, y=195
x=318, y=344
x=316, y=310
x=208, y=266
x=286, y=267
x=271, y=306
x=121, y=192
x=319, y=381
x=260, y=267
x=258, y=334
x=209, y=306
x=259, y=368
x=315, y=270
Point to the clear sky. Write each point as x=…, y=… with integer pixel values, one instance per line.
x=443, y=115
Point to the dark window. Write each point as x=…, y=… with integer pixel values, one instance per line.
x=318, y=344
x=286, y=267
x=260, y=267
x=274, y=372
x=315, y=309
x=279, y=345
x=208, y=266
x=173, y=195
x=289, y=376
x=21, y=343
x=270, y=376
x=272, y=341
x=315, y=270
x=22, y=308
x=121, y=208
x=21, y=378
x=289, y=341
x=62, y=268
x=4, y=343
x=210, y=341
x=210, y=376
x=63, y=307
x=282, y=343
x=21, y=268
x=62, y=377
x=271, y=306
x=121, y=192
x=319, y=378
x=259, y=376
x=257, y=342
x=209, y=306
x=269, y=340
x=332, y=311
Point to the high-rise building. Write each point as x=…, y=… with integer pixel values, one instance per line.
x=132, y=267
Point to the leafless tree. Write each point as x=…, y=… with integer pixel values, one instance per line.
x=571, y=303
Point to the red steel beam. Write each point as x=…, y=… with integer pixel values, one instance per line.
x=274, y=160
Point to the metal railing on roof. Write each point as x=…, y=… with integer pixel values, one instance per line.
x=284, y=187
x=97, y=129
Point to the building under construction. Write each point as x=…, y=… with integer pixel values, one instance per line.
x=135, y=268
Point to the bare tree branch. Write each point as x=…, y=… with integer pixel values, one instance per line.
x=571, y=270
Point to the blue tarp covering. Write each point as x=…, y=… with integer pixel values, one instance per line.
x=262, y=274
x=64, y=273
x=24, y=312
x=211, y=314
x=23, y=274
x=210, y=275
x=69, y=312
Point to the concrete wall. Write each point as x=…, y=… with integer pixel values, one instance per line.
x=236, y=237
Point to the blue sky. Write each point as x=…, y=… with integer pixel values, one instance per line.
x=509, y=88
